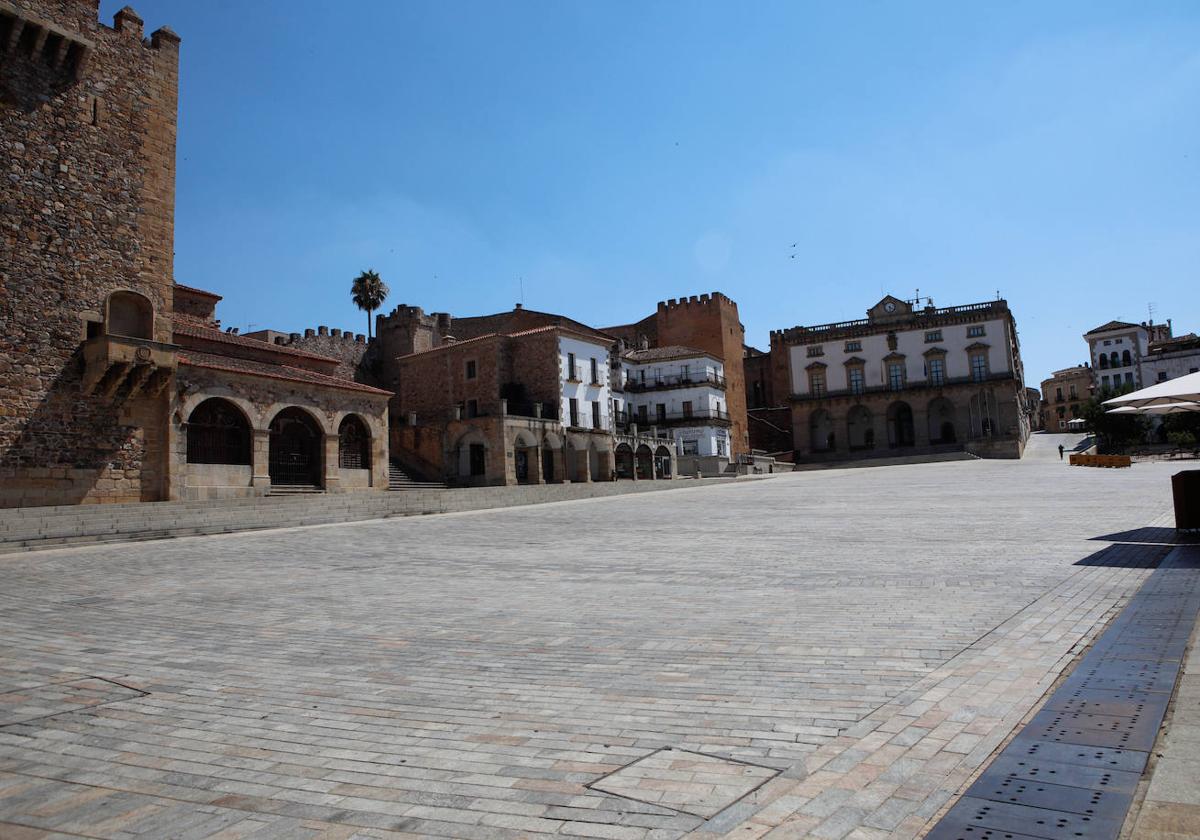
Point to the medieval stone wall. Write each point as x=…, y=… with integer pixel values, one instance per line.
x=86, y=209
x=356, y=358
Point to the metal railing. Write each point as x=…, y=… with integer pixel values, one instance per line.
x=907, y=386
x=675, y=381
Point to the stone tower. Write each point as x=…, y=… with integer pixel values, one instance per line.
x=710, y=323
x=87, y=129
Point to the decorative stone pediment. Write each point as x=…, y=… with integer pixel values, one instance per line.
x=894, y=357
x=978, y=345
x=934, y=351
x=855, y=360
x=816, y=366
x=891, y=308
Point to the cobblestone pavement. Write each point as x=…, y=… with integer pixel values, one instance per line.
x=843, y=648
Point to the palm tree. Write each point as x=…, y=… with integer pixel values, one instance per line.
x=368, y=293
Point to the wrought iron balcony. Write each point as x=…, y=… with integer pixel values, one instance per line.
x=690, y=380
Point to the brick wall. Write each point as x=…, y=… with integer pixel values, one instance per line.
x=86, y=208
x=710, y=323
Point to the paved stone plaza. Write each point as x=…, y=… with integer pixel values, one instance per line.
x=826, y=654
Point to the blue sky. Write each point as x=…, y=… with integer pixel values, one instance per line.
x=604, y=156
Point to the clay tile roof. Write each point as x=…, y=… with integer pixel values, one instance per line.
x=451, y=344
x=212, y=361
x=196, y=291
x=196, y=328
x=1112, y=325
x=662, y=354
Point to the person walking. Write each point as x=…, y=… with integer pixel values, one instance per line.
x=1060, y=451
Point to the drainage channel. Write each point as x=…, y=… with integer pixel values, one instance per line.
x=1073, y=770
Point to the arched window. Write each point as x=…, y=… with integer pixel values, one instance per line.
x=1126, y=359
x=129, y=314
x=1104, y=361
x=217, y=433
x=1113, y=359
x=354, y=444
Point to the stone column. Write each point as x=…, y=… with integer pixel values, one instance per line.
x=331, y=478
x=535, y=465
x=608, y=466
x=260, y=457
x=921, y=427
x=582, y=472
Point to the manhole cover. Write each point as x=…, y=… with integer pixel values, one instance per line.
x=695, y=783
x=26, y=704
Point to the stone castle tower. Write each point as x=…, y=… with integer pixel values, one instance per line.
x=711, y=323
x=87, y=129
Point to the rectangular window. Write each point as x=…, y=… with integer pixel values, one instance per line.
x=595, y=374
x=574, y=403
x=471, y=369
x=1129, y=376
x=687, y=408
x=853, y=347
x=1162, y=376
x=1108, y=342
x=571, y=367
x=684, y=374
x=975, y=332
x=854, y=378
x=660, y=412
x=1118, y=341
x=595, y=415
x=979, y=367
x=933, y=336
x=816, y=350
x=643, y=413
x=721, y=447
x=691, y=447
x=937, y=371
x=1058, y=397
x=472, y=408
x=895, y=376
x=1104, y=381
x=1072, y=389
x=816, y=382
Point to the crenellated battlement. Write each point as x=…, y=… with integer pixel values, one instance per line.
x=695, y=300
x=348, y=336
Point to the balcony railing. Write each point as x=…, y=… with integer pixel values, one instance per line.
x=702, y=416
x=922, y=384
x=675, y=381
x=548, y=410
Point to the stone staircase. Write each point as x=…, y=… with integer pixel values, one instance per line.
x=398, y=479
x=295, y=490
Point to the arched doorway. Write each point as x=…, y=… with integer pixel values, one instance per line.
x=900, y=425
x=218, y=433
x=551, y=449
x=624, y=460
x=295, y=448
x=820, y=431
x=645, y=463
x=471, y=455
x=662, y=462
x=860, y=428
x=941, y=421
x=525, y=458
x=354, y=444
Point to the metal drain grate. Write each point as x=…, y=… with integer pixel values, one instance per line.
x=690, y=782
x=1072, y=771
x=24, y=705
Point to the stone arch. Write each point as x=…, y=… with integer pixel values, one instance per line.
x=354, y=443
x=218, y=432
x=594, y=465
x=296, y=447
x=624, y=460
x=1126, y=358
x=820, y=431
x=189, y=403
x=1113, y=359
x=130, y=314
x=900, y=425
x=644, y=462
x=662, y=462
x=525, y=457
x=860, y=428
x=471, y=455
x=322, y=418
x=943, y=421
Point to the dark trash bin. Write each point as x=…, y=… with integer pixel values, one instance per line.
x=1185, y=486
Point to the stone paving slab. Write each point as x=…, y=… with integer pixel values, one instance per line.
x=872, y=635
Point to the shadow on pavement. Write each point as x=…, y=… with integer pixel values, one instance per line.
x=1140, y=555
x=1155, y=536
